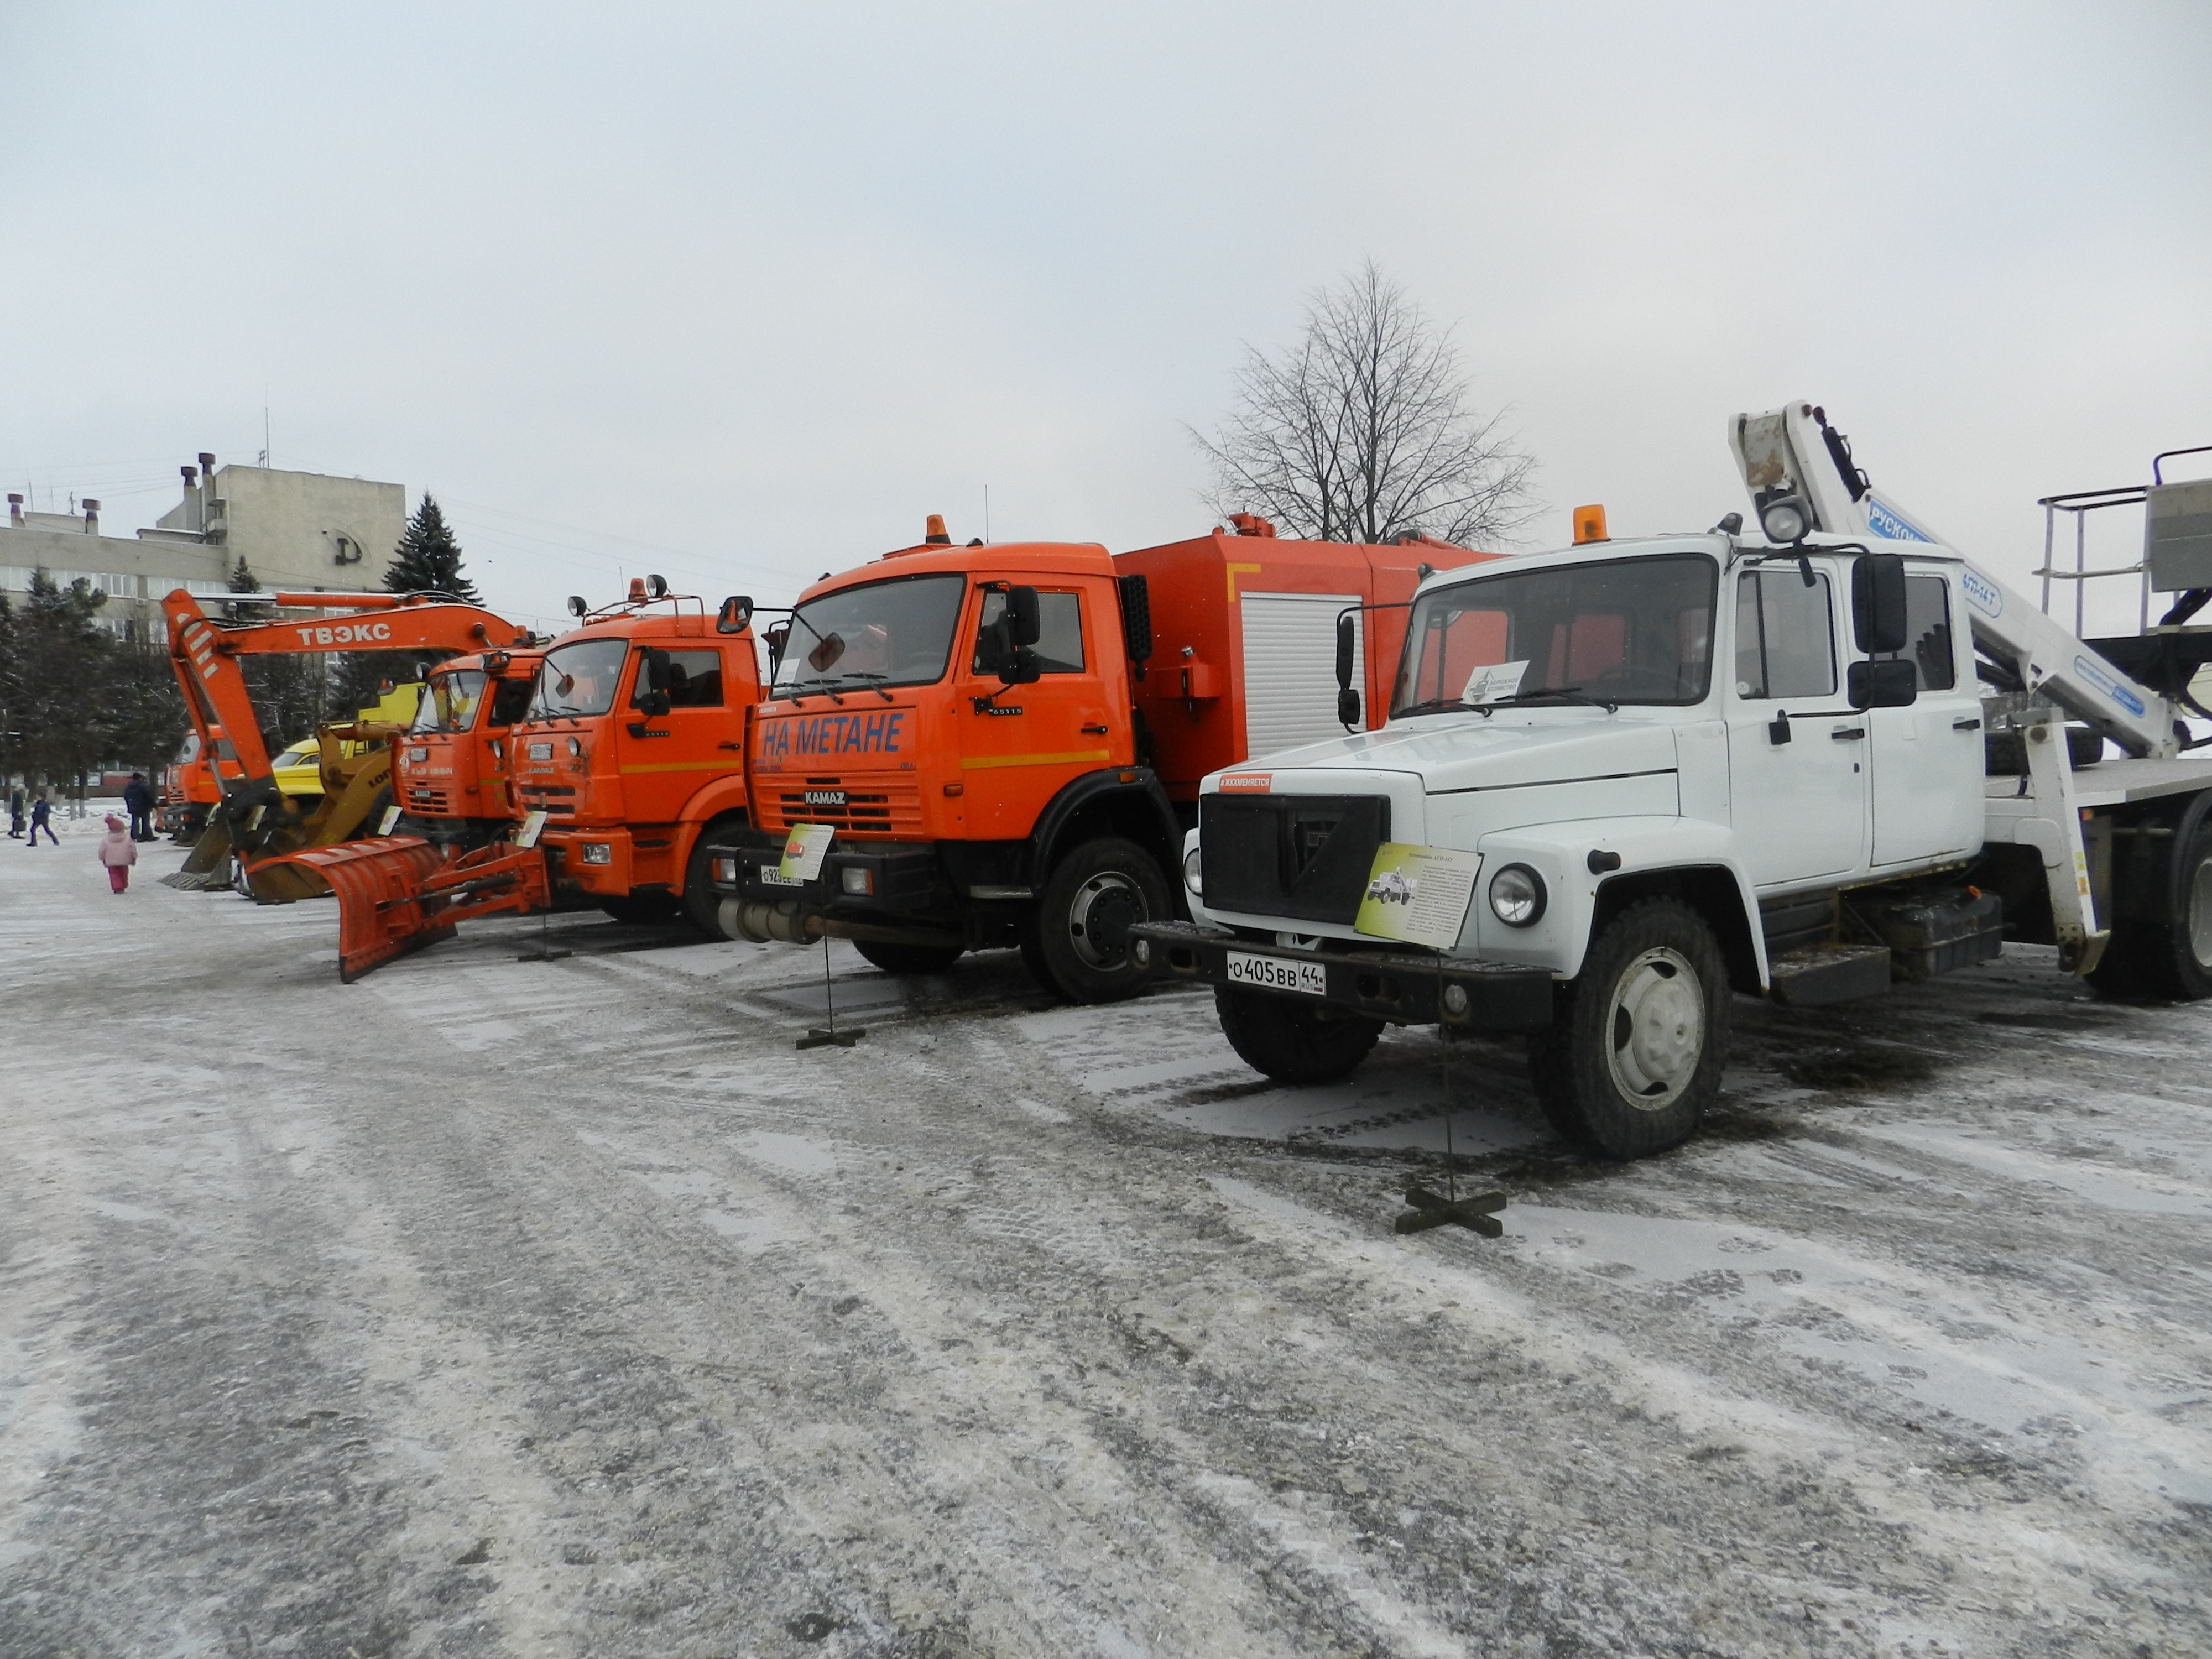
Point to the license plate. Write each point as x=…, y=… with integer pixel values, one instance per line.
x=1274, y=974
x=775, y=878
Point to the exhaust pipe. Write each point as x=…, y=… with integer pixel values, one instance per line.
x=759, y=922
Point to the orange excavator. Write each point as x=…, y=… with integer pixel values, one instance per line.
x=256, y=822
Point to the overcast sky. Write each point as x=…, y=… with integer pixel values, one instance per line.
x=740, y=293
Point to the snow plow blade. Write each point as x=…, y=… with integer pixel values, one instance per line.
x=396, y=894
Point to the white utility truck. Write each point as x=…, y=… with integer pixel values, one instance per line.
x=1623, y=780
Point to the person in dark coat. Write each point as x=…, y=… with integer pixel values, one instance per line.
x=42, y=812
x=16, y=813
x=138, y=801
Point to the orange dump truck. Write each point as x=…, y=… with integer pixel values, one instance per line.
x=1002, y=745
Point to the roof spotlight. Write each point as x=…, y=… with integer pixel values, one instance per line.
x=1786, y=519
x=576, y=605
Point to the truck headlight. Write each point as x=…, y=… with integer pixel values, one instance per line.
x=1192, y=877
x=1517, y=896
x=725, y=870
x=596, y=852
x=857, y=880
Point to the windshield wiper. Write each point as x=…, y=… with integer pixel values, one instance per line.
x=1564, y=693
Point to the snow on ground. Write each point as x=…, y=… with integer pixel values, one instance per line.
x=539, y=1307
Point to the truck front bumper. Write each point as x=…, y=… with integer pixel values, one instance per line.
x=1398, y=986
x=889, y=890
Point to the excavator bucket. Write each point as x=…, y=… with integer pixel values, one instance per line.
x=206, y=869
x=396, y=894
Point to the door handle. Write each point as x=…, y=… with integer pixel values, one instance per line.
x=1848, y=733
x=738, y=746
x=1966, y=725
x=1094, y=731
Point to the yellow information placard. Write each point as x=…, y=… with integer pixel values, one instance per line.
x=804, y=850
x=1417, y=895
x=533, y=825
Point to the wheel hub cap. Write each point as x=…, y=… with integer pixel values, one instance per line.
x=1099, y=919
x=2200, y=914
x=1658, y=1027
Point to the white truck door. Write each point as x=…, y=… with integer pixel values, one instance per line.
x=1797, y=752
x=1927, y=758
x=1289, y=667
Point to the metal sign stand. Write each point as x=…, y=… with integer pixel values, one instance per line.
x=1448, y=1209
x=544, y=952
x=824, y=1036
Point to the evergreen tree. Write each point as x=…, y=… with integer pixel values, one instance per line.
x=60, y=658
x=428, y=559
x=11, y=734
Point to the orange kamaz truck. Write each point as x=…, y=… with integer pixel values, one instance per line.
x=1002, y=744
x=452, y=776
x=633, y=747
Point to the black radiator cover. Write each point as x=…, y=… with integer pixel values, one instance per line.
x=1303, y=857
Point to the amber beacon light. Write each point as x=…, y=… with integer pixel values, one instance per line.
x=1589, y=525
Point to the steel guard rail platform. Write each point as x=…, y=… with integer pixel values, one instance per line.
x=396, y=894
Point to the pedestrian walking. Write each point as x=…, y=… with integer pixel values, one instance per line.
x=118, y=852
x=16, y=813
x=42, y=817
x=138, y=801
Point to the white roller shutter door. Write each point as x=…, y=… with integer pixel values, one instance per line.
x=1290, y=668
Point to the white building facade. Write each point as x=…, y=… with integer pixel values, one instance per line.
x=299, y=531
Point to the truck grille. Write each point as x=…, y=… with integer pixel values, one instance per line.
x=558, y=804
x=422, y=798
x=1301, y=857
x=872, y=806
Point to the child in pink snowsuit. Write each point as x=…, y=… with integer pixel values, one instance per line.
x=119, y=852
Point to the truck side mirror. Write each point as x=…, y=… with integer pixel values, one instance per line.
x=778, y=635
x=1024, y=619
x=736, y=614
x=1020, y=666
x=1889, y=685
x=1878, y=605
x=650, y=695
x=1347, y=700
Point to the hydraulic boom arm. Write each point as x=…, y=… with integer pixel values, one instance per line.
x=1803, y=481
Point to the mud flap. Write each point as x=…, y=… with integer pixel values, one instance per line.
x=398, y=894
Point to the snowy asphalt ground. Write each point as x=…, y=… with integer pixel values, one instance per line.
x=492, y=1307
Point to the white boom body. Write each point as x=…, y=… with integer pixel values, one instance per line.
x=1780, y=454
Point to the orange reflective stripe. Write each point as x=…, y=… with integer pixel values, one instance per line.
x=1069, y=759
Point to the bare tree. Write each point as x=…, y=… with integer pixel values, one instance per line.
x=1364, y=431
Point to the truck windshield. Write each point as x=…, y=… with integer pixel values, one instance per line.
x=451, y=703
x=1622, y=631
x=579, y=679
x=890, y=633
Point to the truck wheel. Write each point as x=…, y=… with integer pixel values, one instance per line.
x=1633, y=1054
x=907, y=959
x=701, y=903
x=1290, y=1041
x=2167, y=954
x=1090, y=900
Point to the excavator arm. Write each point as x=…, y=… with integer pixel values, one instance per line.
x=204, y=654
